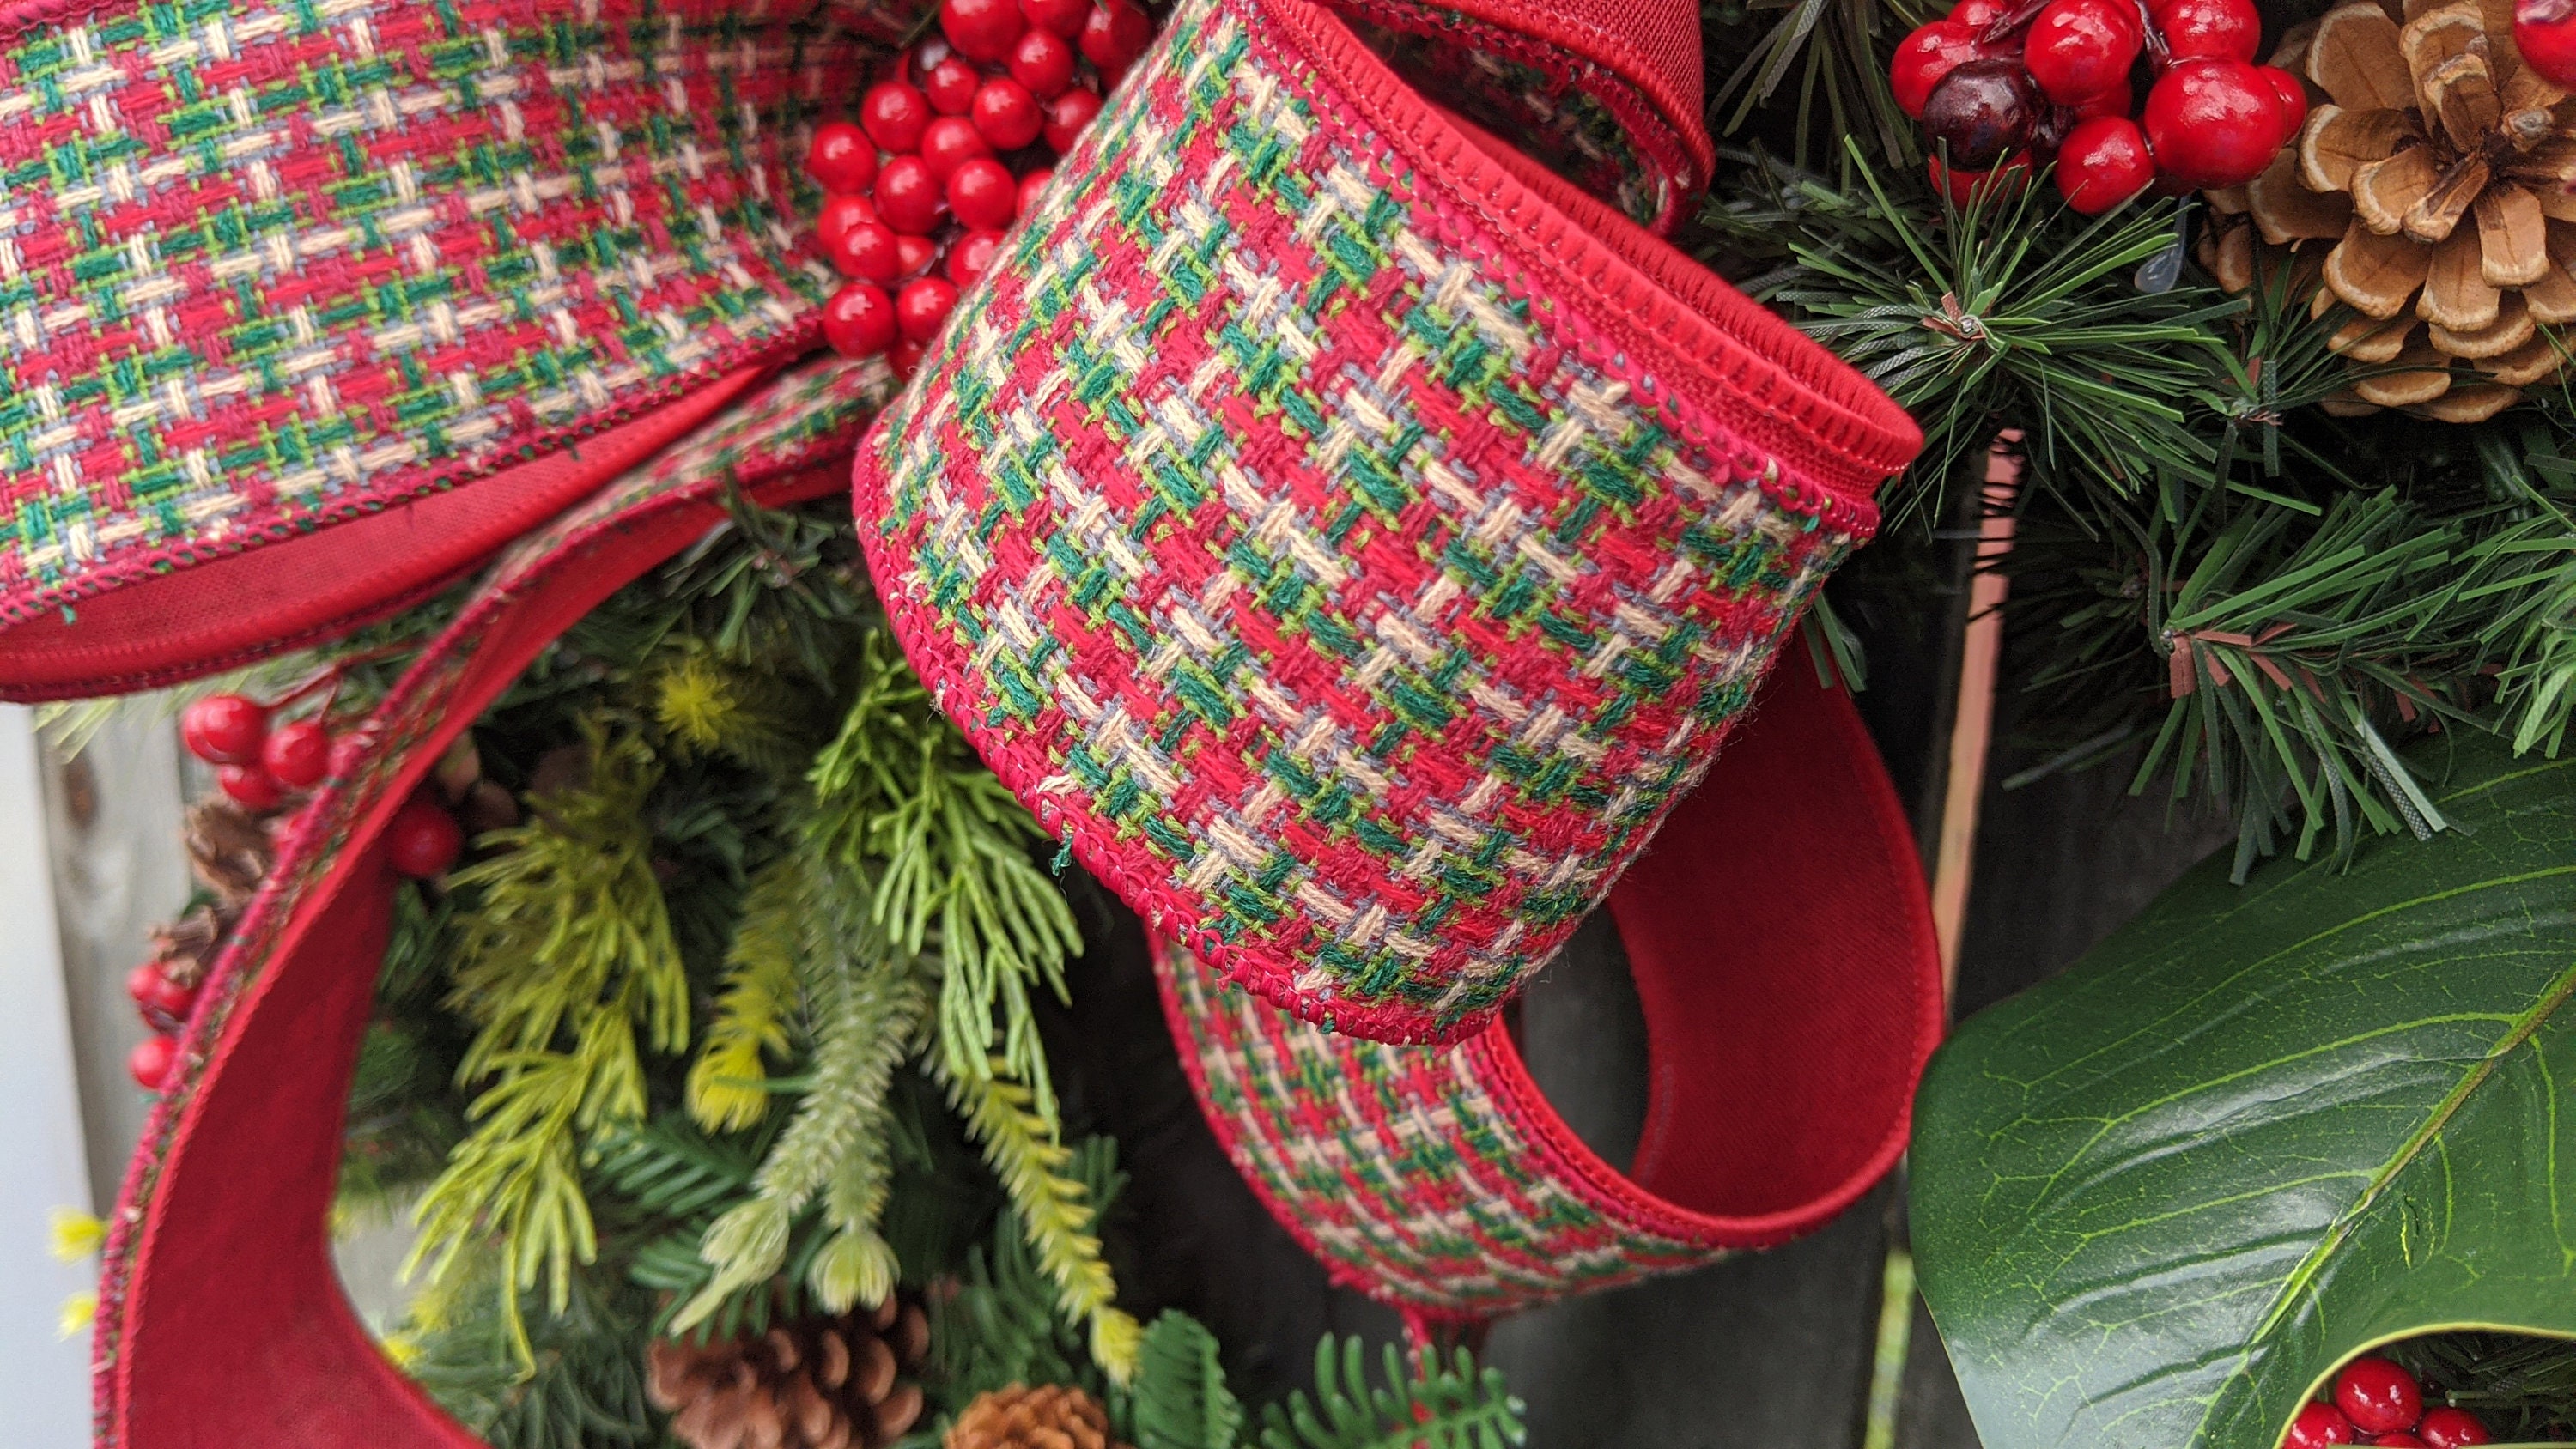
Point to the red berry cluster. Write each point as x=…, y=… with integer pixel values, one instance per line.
x=1998, y=82
x=951, y=145
x=2374, y=1397
x=260, y=764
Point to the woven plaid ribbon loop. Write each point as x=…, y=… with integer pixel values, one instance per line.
x=1347, y=535
x=1783, y=954
x=305, y=306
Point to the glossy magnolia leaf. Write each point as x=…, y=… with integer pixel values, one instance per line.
x=2158, y=1199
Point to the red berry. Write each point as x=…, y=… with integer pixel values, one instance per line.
x=1057, y=17
x=926, y=56
x=155, y=992
x=894, y=115
x=297, y=755
x=2080, y=48
x=151, y=1060
x=859, y=320
x=2210, y=29
x=1031, y=185
x=2294, y=100
x=867, y=251
x=922, y=307
x=1067, y=115
x=2317, y=1426
x=423, y=840
x=982, y=195
x=2378, y=1396
x=917, y=252
x=839, y=214
x=2449, y=1428
x=981, y=29
x=950, y=86
x=1922, y=58
x=1042, y=62
x=1007, y=114
x=251, y=786
x=1965, y=187
x=2398, y=1439
x=2545, y=32
x=2113, y=102
x=950, y=140
x=2103, y=162
x=1115, y=33
x=2213, y=123
x=908, y=195
x=1978, y=14
x=905, y=358
x=223, y=729
x=842, y=159
x=972, y=256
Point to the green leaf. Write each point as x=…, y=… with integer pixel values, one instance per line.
x=2261, y=1129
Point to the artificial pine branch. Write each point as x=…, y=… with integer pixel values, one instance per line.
x=567, y=954
x=728, y=1083
x=1055, y=1210
x=1180, y=1399
x=1429, y=1406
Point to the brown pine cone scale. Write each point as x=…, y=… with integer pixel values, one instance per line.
x=1051, y=1416
x=837, y=1383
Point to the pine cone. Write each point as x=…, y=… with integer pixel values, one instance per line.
x=2433, y=187
x=185, y=949
x=1052, y=1416
x=229, y=848
x=824, y=1383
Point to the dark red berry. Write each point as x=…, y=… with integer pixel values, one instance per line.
x=867, y=252
x=2294, y=100
x=297, y=755
x=1031, y=185
x=972, y=256
x=151, y=1060
x=859, y=320
x=2449, y=1428
x=2545, y=32
x=908, y=196
x=839, y=214
x=2077, y=49
x=1057, y=17
x=2213, y=123
x=2103, y=162
x=1066, y=117
x=2397, y=1439
x=905, y=357
x=1982, y=111
x=2317, y=1426
x=2378, y=1396
x=2210, y=29
x=1922, y=58
x=223, y=729
x=982, y=195
x=950, y=86
x=922, y=307
x=1115, y=33
x=981, y=29
x=423, y=840
x=155, y=992
x=894, y=115
x=918, y=252
x=251, y=786
x=842, y=159
x=950, y=140
x=1042, y=62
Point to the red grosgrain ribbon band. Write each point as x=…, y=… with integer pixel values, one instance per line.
x=1784, y=954
x=1347, y=535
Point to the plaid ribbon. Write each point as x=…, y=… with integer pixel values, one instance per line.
x=1353, y=597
